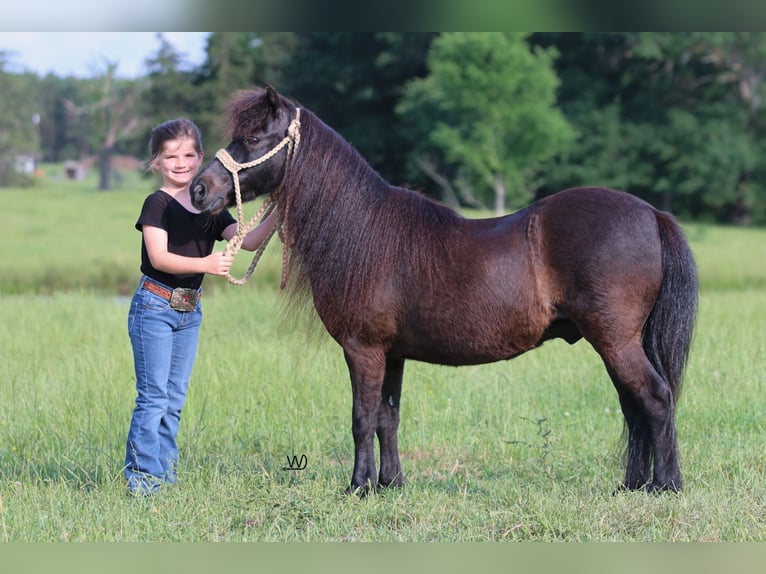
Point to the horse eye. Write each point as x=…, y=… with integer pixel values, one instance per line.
x=252, y=140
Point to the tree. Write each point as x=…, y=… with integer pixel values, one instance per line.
x=167, y=92
x=113, y=112
x=705, y=146
x=353, y=81
x=494, y=101
x=19, y=119
x=59, y=138
x=740, y=58
x=230, y=65
x=273, y=54
x=675, y=118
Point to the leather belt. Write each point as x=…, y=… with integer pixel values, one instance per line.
x=181, y=298
x=158, y=289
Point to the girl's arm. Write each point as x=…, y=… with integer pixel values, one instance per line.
x=253, y=239
x=156, y=240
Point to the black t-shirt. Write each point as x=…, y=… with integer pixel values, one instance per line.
x=189, y=234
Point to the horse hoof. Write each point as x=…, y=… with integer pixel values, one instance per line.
x=359, y=491
x=649, y=488
x=629, y=488
x=658, y=488
x=395, y=483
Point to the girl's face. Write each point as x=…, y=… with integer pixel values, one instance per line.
x=178, y=163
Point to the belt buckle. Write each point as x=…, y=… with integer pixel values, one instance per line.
x=184, y=299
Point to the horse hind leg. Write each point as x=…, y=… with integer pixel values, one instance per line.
x=649, y=408
x=638, y=451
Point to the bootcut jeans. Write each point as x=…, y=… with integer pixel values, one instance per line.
x=164, y=348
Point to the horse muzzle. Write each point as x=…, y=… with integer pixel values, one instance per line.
x=204, y=199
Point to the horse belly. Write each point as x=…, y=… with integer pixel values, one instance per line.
x=456, y=356
x=468, y=334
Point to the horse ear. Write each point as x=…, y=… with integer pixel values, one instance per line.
x=273, y=97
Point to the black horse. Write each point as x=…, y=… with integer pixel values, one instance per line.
x=395, y=276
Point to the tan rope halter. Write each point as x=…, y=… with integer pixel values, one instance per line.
x=291, y=140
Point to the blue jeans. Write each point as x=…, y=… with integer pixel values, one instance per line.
x=164, y=348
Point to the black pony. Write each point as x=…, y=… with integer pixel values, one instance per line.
x=395, y=276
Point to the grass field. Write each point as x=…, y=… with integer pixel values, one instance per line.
x=522, y=450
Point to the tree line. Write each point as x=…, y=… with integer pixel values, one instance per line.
x=474, y=119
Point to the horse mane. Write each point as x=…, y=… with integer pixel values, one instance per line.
x=350, y=230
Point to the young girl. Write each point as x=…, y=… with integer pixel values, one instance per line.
x=165, y=312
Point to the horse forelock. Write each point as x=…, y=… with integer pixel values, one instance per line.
x=350, y=230
x=247, y=112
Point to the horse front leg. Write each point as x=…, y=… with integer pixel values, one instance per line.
x=366, y=367
x=388, y=424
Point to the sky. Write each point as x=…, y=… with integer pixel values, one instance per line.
x=86, y=54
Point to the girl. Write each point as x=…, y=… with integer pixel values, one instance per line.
x=165, y=312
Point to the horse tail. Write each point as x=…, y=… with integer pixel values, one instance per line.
x=669, y=327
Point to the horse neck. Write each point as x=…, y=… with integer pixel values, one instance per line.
x=330, y=186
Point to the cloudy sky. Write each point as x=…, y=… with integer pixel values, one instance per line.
x=85, y=54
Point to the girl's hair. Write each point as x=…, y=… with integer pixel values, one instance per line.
x=178, y=128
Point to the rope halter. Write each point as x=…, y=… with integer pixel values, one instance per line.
x=291, y=141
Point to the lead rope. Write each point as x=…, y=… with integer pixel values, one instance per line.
x=233, y=246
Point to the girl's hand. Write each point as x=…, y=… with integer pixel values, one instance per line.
x=218, y=263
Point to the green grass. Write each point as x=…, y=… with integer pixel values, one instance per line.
x=523, y=450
